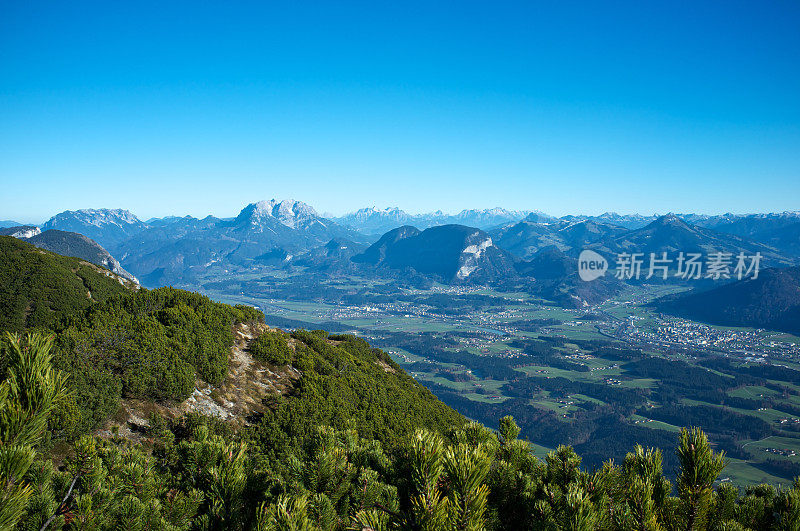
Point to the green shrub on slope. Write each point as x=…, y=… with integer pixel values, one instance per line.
x=39, y=288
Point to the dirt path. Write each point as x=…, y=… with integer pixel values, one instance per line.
x=247, y=383
x=239, y=397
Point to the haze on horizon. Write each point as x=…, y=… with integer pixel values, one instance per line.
x=200, y=109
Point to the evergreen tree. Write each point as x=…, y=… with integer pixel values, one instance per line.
x=28, y=395
x=700, y=467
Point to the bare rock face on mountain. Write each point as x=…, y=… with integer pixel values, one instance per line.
x=289, y=213
x=290, y=225
x=450, y=253
x=21, y=231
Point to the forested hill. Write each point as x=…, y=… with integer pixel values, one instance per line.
x=39, y=288
x=162, y=346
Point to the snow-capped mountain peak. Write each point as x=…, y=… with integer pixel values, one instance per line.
x=97, y=217
x=106, y=226
x=288, y=212
x=375, y=220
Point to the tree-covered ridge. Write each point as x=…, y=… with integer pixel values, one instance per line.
x=39, y=288
x=145, y=344
x=160, y=345
x=113, y=341
x=347, y=383
x=198, y=474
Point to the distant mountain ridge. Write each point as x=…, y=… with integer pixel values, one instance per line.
x=8, y=223
x=288, y=233
x=750, y=225
x=379, y=221
x=669, y=233
x=375, y=221
x=672, y=234
x=108, y=227
x=77, y=245
x=778, y=230
x=770, y=301
x=69, y=244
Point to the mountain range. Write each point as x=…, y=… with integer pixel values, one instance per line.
x=483, y=246
x=176, y=249
x=526, y=238
x=379, y=221
x=671, y=234
x=376, y=221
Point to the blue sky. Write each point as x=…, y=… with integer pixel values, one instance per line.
x=566, y=107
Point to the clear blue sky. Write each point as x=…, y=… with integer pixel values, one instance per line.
x=566, y=107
